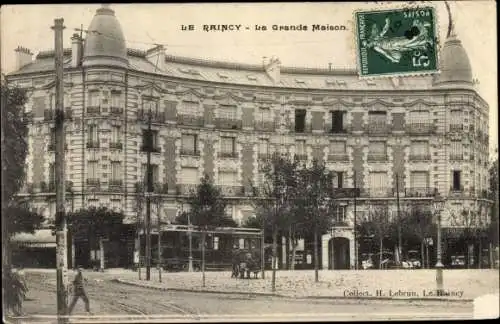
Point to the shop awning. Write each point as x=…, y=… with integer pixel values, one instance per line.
x=42, y=238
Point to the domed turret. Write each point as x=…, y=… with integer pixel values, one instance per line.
x=455, y=64
x=105, y=43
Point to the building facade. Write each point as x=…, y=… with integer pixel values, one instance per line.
x=417, y=135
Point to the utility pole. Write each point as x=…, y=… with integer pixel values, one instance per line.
x=354, y=230
x=399, y=221
x=149, y=192
x=61, y=226
x=159, y=242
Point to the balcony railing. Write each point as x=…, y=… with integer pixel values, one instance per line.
x=190, y=152
x=456, y=127
x=93, y=144
x=116, y=145
x=93, y=110
x=190, y=120
x=158, y=187
x=50, y=114
x=116, y=111
x=300, y=157
x=420, y=157
x=377, y=128
x=334, y=130
x=154, y=149
x=115, y=183
x=156, y=117
x=456, y=157
x=455, y=190
x=227, y=123
x=265, y=156
x=338, y=157
x=306, y=128
x=233, y=155
x=186, y=189
x=420, y=128
x=377, y=157
x=379, y=192
x=52, y=185
x=232, y=191
x=96, y=183
x=419, y=192
x=266, y=126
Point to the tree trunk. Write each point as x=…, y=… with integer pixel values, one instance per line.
x=288, y=239
x=294, y=252
x=480, y=255
x=101, y=253
x=203, y=257
x=422, y=254
x=316, y=266
x=381, y=247
x=275, y=239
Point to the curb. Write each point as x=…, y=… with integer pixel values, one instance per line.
x=126, y=282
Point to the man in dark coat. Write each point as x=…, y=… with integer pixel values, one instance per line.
x=79, y=292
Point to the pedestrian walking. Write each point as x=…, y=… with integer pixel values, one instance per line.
x=79, y=292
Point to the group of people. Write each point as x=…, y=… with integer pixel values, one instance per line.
x=244, y=265
x=78, y=291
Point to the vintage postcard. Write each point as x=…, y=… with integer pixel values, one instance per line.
x=249, y=162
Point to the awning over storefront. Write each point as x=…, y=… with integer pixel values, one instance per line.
x=42, y=238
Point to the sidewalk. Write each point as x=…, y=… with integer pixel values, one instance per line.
x=459, y=285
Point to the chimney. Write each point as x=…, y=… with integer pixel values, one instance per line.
x=156, y=56
x=272, y=69
x=23, y=57
x=76, y=50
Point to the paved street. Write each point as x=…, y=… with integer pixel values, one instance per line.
x=111, y=299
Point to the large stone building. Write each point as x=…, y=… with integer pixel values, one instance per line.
x=221, y=119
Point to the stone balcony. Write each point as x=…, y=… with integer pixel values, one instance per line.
x=421, y=128
x=93, y=110
x=189, y=152
x=377, y=157
x=232, y=155
x=338, y=157
x=190, y=120
x=155, y=117
x=377, y=128
x=158, y=187
x=264, y=126
x=228, y=123
x=420, y=157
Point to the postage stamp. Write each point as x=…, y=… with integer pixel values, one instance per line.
x=397, y=41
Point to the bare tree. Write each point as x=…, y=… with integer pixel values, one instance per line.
x=276, y=198
x=378, y=224
x=418, y=221
x=470, y=221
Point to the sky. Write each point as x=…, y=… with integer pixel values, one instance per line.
x=146, y=24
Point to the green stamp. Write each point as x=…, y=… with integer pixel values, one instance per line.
x=397, y=41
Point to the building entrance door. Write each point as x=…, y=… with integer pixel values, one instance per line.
x=338, y=252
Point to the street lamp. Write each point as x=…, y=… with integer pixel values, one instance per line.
x=438, y=205
x=190, y=236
